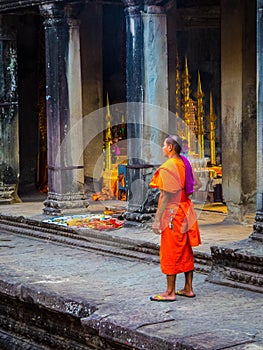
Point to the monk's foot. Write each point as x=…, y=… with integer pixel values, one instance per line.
x=163, y=297
x=185, y=293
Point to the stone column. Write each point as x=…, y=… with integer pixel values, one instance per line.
x=238, y=76
x=240, y=264
x=9, y=136
x=258, y=225
x=64, y=109
x=147, y=95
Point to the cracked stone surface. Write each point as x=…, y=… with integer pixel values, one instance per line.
x=110, y=294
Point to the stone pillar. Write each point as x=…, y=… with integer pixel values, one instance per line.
x=240, y=264
x=9, y=136
x=258, y=225
x=238, y=73
x=147, y=95
x=64, y=109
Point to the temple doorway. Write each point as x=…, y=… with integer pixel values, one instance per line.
x=32, y=114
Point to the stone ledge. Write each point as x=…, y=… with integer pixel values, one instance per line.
x=124, y=318
x=70, y=306
x=239, y=265
x=137, y=337
x=28, y=324
x=40, y=319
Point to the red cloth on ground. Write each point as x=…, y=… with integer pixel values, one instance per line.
x=176, y=254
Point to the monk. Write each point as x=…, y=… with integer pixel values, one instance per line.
x=175, y=220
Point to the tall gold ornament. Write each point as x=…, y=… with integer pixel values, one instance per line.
x=186, y=103
x=177, y=87
x=108, y=137
x=212, y=129
x=200, y=118
x=179, y=128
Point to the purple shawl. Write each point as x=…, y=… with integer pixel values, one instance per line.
x=189, y=176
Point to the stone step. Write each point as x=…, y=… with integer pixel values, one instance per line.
x=239, y=265
x=94, y=240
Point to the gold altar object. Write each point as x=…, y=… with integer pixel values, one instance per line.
x=108, y=137
x=186, y=103
x=180, y=126
x=177, y=87
x=109, y=174
x=200, y=118
x=212, y=129
x=192, y=127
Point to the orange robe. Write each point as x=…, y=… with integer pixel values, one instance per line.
x=176, y=254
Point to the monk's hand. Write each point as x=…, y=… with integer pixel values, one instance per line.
x=156, y=227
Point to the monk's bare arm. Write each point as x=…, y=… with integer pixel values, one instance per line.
x=162, y=204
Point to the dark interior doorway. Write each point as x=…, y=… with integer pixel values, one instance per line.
x=32, y=120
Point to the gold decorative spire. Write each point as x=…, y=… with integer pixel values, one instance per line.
x=200, y=118
x=108, y=137
x=212, y=129
x=177, y=87
x=186, y=101
x=108, y=116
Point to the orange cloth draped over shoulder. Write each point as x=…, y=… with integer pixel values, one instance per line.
x=176, y=254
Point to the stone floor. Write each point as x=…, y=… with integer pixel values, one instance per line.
x=215, y=229
x=116, y=290
x=109, y=295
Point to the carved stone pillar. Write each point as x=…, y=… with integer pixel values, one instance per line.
x=258, y=225
x=241, y=263
x=9, y=139
x=64, y=109
x=238, y=96
x=147, y=86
